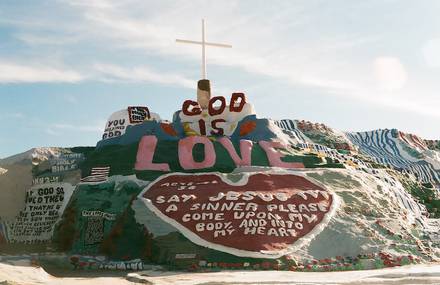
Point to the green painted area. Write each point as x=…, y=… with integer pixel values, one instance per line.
x=122, y=237
x=121, y=159
x=427, y=195
x=323, y=139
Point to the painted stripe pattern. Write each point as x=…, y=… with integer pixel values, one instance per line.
x=290, y=128
x=387, y=147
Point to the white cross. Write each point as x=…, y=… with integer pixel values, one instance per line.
x=204, y=43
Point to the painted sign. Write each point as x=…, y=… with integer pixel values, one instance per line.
x=46, y=179
x=138, y=114
x=134, y=264
x=98, y=262
x=94, y=232
x=116, y=125
x=43, y=209
x=66, y=162
x=100, y=214
x=273, y=150
x=119, y=121
x=185, y=256
x=261, y=215
x=219, y=119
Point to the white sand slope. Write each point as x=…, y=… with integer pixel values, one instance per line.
x=28, y=275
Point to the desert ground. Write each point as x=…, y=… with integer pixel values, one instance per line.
x=416, y=274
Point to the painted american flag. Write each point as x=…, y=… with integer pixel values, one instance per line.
x=97, y=174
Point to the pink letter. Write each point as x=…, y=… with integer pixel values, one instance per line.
x=245, y=150
x=186, y=159
x=275, y=156
x=144, y=157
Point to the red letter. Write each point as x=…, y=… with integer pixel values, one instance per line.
x=212, y=110
x=219, y=130
x=186, y=159
x=196, y=110
x=144, y=157
x=275, y=156
x=202, y=127
x=234, y=100
x=245, y=150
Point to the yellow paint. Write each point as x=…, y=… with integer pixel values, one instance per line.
x=188, y=131
x=232, y=126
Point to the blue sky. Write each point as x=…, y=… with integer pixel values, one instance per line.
x=66, y=65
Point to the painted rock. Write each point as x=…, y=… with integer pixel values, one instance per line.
x=262, y=215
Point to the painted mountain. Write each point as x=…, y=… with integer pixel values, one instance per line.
x=218, y=188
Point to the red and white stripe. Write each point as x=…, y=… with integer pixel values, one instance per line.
x=97, y=174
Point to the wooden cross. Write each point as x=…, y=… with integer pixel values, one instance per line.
x=204, y=43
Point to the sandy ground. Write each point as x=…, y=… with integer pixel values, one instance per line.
x=424, y=274
x=418, y=274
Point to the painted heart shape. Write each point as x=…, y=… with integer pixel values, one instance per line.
x=252, y=214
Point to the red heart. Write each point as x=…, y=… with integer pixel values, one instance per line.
x=262, y=215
